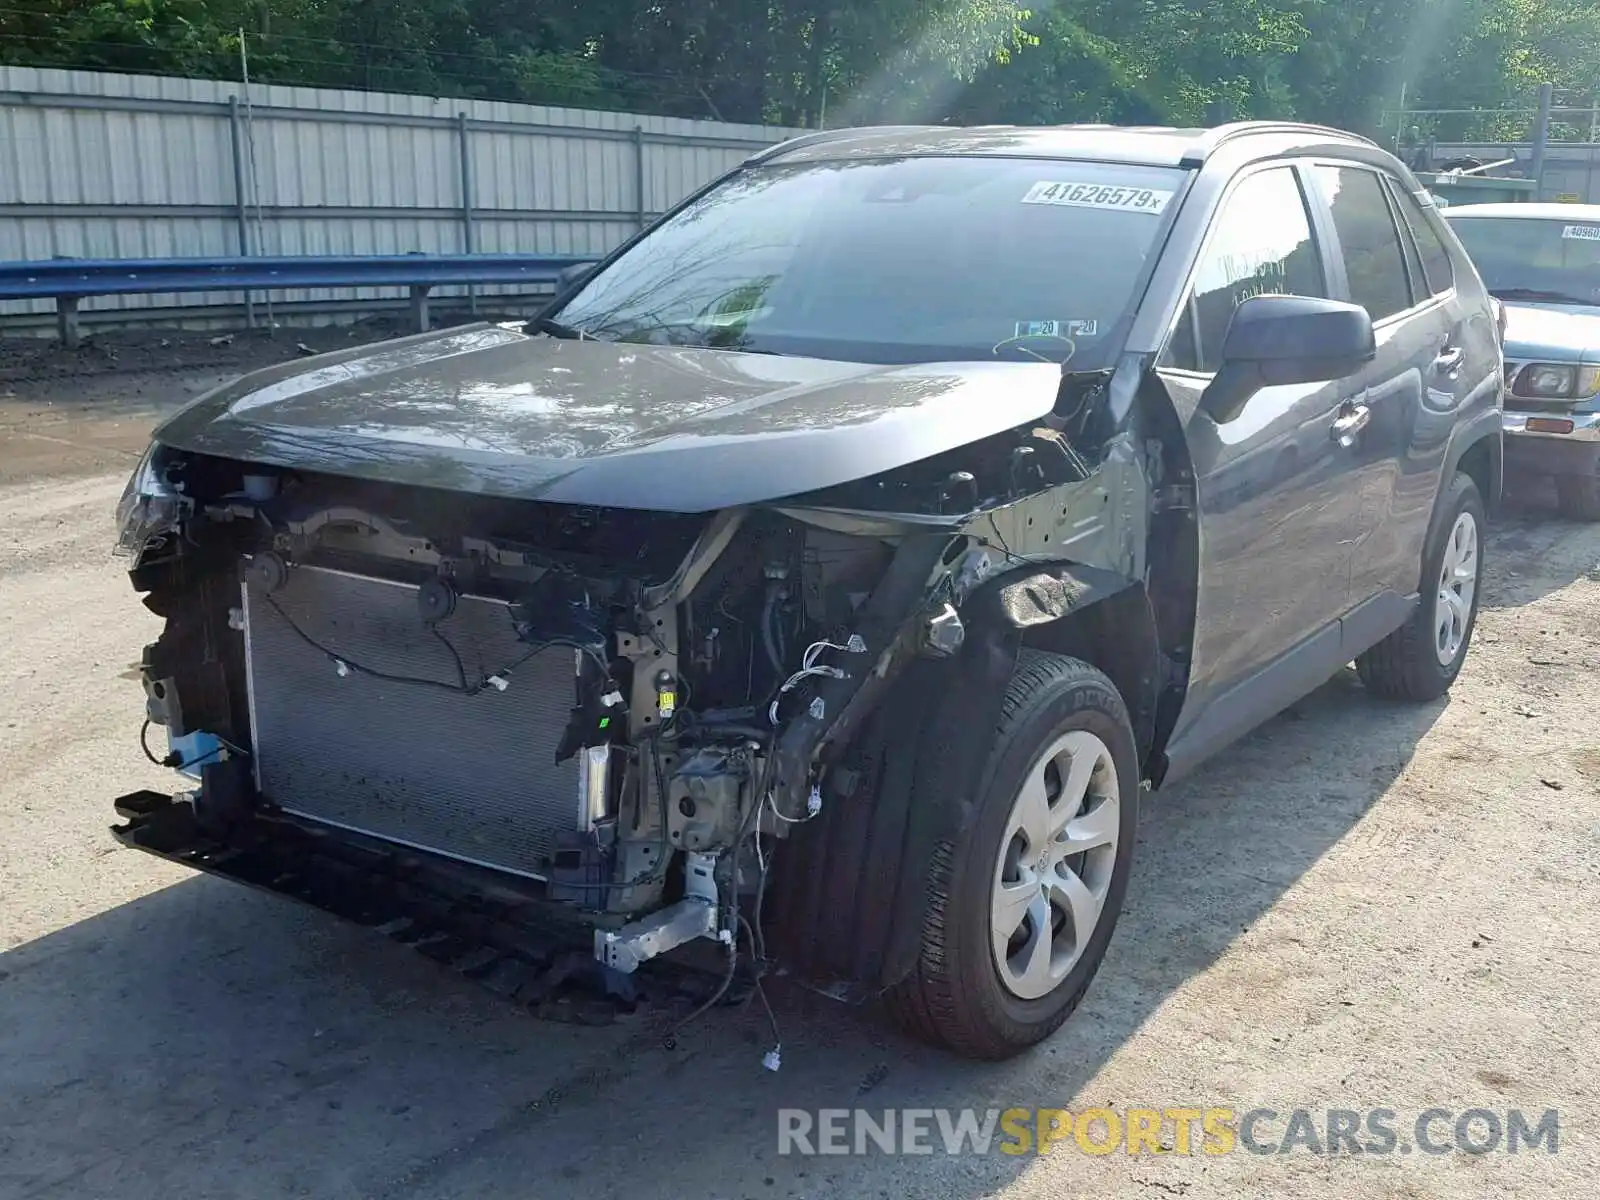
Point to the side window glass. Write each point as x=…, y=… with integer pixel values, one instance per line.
x=1260, y=245
x=1435, y=258
x=1420, y=291
x=1373, y=259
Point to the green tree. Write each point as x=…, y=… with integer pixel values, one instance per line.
x=801, y=62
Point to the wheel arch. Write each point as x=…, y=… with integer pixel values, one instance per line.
x=848, y=899
x=1112, y=627
x=1477, y=449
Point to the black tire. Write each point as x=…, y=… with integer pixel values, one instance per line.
x=1405, y=665
x=954, y=998
x=1578, y=496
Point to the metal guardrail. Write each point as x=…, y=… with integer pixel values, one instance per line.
x=68, y=280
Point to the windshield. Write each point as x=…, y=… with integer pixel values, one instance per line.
x=899, y=261
x=1528, y=258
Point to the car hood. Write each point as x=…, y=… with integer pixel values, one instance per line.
x=1554, y=332
x=488, y=409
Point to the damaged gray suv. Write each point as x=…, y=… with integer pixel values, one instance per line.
x=818, y=584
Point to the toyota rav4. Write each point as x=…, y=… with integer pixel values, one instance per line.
x=821, y=580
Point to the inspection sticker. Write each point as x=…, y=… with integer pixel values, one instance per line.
x=1037, y=329
x=1093, y=195
x=1582, y=233
x=1056, y=329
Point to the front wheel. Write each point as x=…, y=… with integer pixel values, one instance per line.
x=1022, y=907
x=1421, y=659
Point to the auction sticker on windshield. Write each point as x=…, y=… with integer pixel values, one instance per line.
x=1582, y=233
x=1095, y=195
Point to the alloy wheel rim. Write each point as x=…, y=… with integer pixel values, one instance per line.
x=1054, y=868
x=1458, y=583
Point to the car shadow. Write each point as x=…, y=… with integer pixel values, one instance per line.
x=208, y=1040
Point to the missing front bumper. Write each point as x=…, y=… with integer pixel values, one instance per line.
x=516, y=944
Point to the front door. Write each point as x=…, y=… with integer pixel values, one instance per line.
x=1278, y=519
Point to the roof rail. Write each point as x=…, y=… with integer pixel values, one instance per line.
x=1214, y=139
x=818, y=136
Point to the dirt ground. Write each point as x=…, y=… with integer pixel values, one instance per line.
x=1360, y=906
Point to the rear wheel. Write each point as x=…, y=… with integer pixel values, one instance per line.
x=1421, y=659
x=1022, y=909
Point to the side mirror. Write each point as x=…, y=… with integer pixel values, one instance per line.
x=571, y=277
x=1278, y=340
x=568, y=280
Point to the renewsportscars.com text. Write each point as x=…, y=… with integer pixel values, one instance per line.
x=1177, y=1130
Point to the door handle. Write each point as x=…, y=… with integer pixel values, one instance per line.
x=1449, y=359
x=1350, y=423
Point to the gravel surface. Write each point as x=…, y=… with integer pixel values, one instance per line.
x=1360, y=906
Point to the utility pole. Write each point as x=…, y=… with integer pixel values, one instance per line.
x=1541, y=137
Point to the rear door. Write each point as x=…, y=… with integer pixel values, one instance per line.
x=1391, y=456
x=1278, y=516
x=1466, y=371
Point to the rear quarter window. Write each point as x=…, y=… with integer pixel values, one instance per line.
x=1436, y=261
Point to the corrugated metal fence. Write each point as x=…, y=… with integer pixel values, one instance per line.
x=1571, y=169
x=128, y=166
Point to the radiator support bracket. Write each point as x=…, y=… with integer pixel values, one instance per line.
x=694, y=916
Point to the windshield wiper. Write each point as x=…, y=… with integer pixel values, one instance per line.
x=1551, y=297
x=556, y=329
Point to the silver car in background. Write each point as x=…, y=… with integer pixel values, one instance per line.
x=1542, y=261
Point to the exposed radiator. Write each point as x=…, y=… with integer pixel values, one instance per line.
x=473, y=777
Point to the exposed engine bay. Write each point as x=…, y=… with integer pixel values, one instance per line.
x=624, y=712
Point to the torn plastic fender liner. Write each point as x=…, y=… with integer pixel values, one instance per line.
x=1042, y=597
x=850, y=888
x=852, y=885
x=952, y=745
